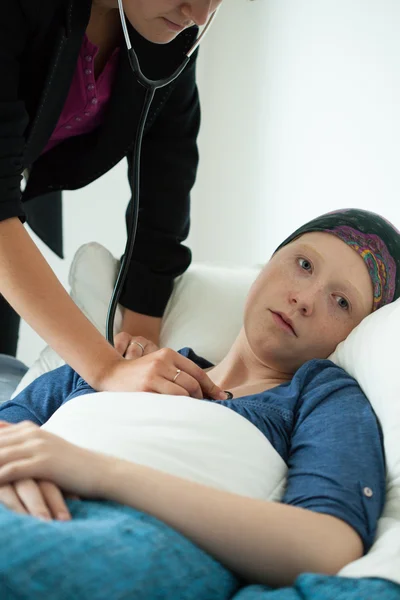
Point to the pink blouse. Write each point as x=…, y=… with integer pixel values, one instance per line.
x=87, y=99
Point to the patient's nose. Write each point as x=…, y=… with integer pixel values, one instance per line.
x=303, y=300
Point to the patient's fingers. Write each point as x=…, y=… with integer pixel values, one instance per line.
x=9, y=498
x=31, y=497
x=42, y=499
x=55, y=500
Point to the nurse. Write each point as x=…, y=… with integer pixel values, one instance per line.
x=69, y=109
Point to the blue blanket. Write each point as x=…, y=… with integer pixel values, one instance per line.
x=113, y=552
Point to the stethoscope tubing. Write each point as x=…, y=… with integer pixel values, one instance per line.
x=133, y=218
x=151, y=86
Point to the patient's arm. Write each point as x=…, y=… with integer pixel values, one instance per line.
x=39, y=400
x=261, y=541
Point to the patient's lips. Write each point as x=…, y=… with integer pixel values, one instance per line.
x=283, y=322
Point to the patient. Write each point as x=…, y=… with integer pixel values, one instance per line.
x=319, y=285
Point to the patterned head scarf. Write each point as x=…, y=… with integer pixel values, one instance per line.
x=375, y=239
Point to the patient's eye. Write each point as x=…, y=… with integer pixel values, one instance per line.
x=305, y=264
x=342, y=303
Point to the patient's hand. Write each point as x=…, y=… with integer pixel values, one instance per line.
x=30, y=454
x=133, y=346
x=41, y=499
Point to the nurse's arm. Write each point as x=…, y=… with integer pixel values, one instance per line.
x=142, y=325
x=30, y=286
x=263, y=542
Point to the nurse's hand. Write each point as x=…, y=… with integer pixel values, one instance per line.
x=164, y=372
x=133, y=346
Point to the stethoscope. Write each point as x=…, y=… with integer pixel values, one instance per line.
x=151, y=87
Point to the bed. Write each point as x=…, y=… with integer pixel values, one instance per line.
x=206, y=307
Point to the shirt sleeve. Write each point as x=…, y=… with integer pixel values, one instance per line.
x=336, y=463
x=168, y=171
x=13, y=115
x=39, y=400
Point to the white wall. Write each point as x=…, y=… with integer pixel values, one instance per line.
x=301, y=104
x=307, y=122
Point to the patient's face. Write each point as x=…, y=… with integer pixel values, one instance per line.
x=322, y=286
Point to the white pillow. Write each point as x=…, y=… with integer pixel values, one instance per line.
x=370, y=354
x=205, y=308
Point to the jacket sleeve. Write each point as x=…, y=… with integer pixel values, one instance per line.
x=168, y=171
x=13, y=116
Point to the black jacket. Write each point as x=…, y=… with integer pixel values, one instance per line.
x=39, y=46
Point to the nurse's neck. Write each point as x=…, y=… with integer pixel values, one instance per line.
x=103, y=7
